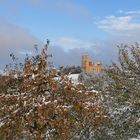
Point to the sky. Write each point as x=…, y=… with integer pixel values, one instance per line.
x=74, y=27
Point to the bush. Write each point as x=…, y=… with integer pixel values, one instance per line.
x=37, y=106
x=122, y=96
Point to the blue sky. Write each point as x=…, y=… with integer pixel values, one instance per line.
x=73, y=26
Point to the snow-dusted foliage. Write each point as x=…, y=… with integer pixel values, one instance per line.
x=122, y=96
x=33, y=105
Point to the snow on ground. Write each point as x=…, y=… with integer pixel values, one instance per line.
x=74, y=78
x=135, y=138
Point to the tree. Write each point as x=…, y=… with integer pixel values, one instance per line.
x=70, y=70
x=122, y=96
x=36, y=105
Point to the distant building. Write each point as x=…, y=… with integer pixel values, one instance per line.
x=89, y=66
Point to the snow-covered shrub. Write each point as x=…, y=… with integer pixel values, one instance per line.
x=122, y=96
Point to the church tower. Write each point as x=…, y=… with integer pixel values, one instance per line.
x=85, y=63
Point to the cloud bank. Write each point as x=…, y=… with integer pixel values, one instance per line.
x=14, y=39
x=65, y=50
x=68, y=50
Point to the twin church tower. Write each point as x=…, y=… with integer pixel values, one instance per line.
x=89, y=66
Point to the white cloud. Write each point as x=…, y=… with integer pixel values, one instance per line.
x=120, y=25
x=133, y=12
x=69, y=43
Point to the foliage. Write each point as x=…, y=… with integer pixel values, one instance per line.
x=35, y=105
x=70, y=70
x=122, y=96
x=96, y=81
